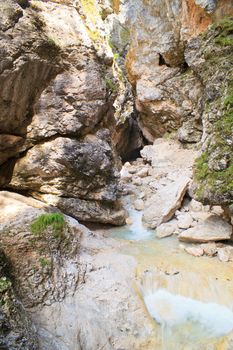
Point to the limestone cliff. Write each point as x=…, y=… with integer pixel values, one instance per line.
x=168, y=92
x=183, y=83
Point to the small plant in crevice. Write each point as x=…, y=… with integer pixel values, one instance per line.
x=111, y=85
x=55, y=221
x=5, y=284
x=49, y=48
x=44, y=262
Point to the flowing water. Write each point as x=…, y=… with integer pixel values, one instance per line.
x=190, y=299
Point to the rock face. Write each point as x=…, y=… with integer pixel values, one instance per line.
x=16, y=330
x=54, y=110
x=211, y=229
x=211, y=58
x=169, y=93
x=183, y=83
x=23, y=73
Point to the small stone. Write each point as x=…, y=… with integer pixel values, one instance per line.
x=195, y=251
x=185, y=221
x=143, y=172
x=224, y=254
x=195, y=206
x=137, y=181
x=125, y=175
x=210, y=249
x=185, y=205
x=216, y=209
x=139, y=204
x=200, y=215
x=132, y=170
x=165, y=230
x=129, y=221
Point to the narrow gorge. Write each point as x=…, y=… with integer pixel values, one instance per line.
x=116, y=175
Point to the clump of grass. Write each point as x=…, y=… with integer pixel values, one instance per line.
x=55, y=221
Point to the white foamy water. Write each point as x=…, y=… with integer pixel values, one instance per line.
x=210, y=320
x=136, y=231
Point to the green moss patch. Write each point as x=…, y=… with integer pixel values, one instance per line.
x=218, y=182
x=5, y=284
x=55, y=221
x=225, y=36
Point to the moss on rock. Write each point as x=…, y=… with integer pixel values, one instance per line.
x=213, y=171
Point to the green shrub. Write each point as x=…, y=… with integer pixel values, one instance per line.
x=55, y=221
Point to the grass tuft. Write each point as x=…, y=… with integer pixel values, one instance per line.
x=55, y=221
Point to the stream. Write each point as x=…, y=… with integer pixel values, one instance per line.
x=189, y=298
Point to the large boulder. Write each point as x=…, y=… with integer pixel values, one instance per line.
x=161, y=206
x=211, y=229
x=55, y=106
x=72, y=276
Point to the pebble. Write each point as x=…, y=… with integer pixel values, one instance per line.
x=195, y=251
x=195, y=206
x=143, y=172
x=165, y=230
x=139, y=204
x=185, y=221
x=137, y=181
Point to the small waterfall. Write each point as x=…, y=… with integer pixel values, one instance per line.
x=186, y=323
